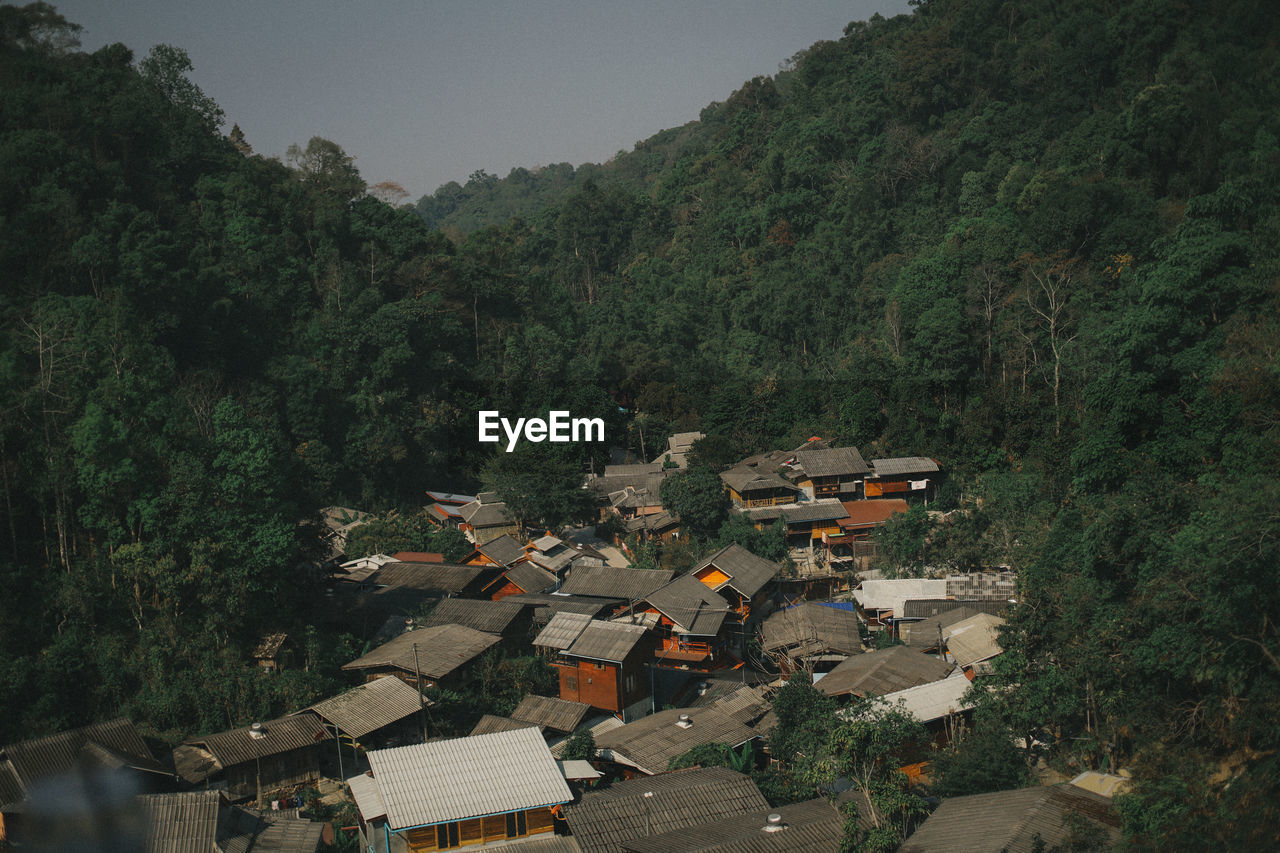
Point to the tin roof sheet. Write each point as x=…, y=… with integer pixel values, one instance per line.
x=467, y=777
x=368, y=707
x=441, y=650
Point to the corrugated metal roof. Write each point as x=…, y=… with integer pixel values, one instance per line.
x=558, y=715
x=467, y=777
x=926, y=633
x=688, y=603
x=935, y=700
x=368, y=707
x=813, y=627
x=490, y=723
x=651, y=742
x=900, y=465
x=994, y=586
x=492, y=617
x=237, y=746
x=441, y=650
x=613, y=582
x=1010, y=821
x=974, y=639
x=596, y=725
x=604, y=820
x=546, y=543
x=577, y=769
x=811, y=825
x=442, y=577
x=821, y=510
x=606, y=641
x=890, y=594
x=368, y=796
x=864, y=513
x=180, y=823
x=562, y=630
x=883, y=671
x=449, y=497
x=929, y=607
x=504, y=550
x=531, y=577
x=832, y=462
x=747, y=573
x=33, y=759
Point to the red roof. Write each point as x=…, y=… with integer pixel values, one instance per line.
x=417, y=557
x=868, y=513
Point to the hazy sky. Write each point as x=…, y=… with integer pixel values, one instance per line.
x=424, y=92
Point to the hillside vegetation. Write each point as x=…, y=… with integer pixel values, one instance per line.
x=1036, y=240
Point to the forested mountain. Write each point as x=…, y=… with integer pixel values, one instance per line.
x=1036, y=240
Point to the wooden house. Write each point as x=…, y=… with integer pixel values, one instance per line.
x=807, y=524
x=648, y=744
x=863, y=517
x=690, y=621
x=486, y=518
x=445, y=509
x=111, y=755
x=503, y=551
x=655, y=805
x=379, y=713
x=471, y=791
x=663, y=526
x=678, y=447
x=833, y=472
x=811, y=636
x=739, y=576
x=601, y=664
x=256, y=760
x=754, y=487
x=272, y=652
x=1036, y=818
x=904, y=477
x=614, y=582
x=439, y=653
x=523, y=577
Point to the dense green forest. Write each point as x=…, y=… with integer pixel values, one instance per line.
x=1036, y=240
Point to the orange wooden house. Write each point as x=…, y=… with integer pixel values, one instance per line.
x=600, y=663
x=739, y=576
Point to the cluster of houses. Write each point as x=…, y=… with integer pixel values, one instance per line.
x=649, y=663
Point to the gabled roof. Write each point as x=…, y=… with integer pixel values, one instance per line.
x=926, y=633
x=547, y=543
x=613, y=582
x=579, y=636
x=491, y=723
x=820, y=510
x=467, y=777
x=441, y=577
x=480, y=513
x=833, y=462
x=890, y=594
x=552, y=562
x=810, y=825
x=597, y=725
x=1011, y=821
x=492, y=617
x=649, y=743
x=900, y=465
x=693, y=608
x=441, y=650
x=747, y=573
x=368, y=707
x=935, y=700
x=883, y=671
x=604, y=820
x=503, y=550
x=24, y=762
x=811, y=629
x=237, y=746
x=974, y=639
x=656, y=522
x=744, y=478
x=558, y=715
x=547, y=605
x=530, y=577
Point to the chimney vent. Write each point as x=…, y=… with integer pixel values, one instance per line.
x=684, y=722
x=773, y=823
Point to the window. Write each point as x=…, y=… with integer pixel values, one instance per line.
x=571, y=682
x=516, y=825
x=447, y=836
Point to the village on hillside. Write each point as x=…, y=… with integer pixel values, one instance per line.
x=655, y=670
